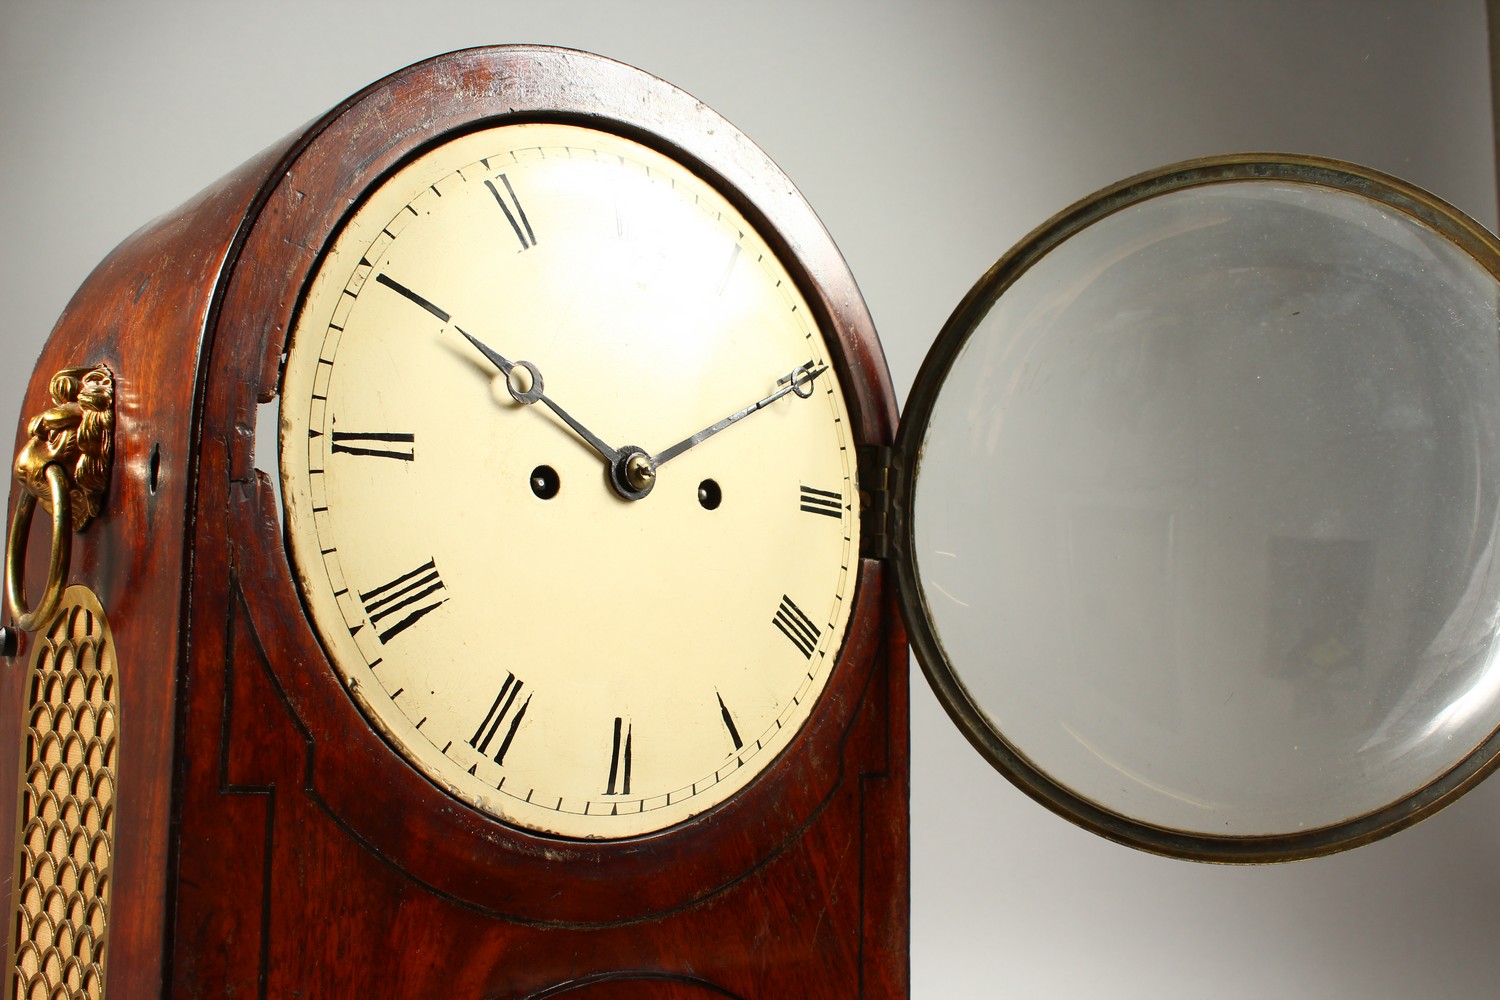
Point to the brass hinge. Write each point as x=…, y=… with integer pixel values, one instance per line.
x=876, y=484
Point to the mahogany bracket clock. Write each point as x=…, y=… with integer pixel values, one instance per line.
x=479, y=552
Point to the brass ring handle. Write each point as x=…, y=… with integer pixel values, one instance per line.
x=62, y=552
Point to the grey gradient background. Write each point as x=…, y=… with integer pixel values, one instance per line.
x=929, y=137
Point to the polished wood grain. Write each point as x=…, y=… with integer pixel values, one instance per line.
x=142, y=312
x=274, y=844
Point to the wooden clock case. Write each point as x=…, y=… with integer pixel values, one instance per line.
x=267, y=841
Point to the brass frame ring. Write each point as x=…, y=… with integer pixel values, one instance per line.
x=62, y=552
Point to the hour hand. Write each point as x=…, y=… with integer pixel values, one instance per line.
x=799, y=380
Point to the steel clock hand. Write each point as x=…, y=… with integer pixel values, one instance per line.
x=799, y=380
x=631, y=471
x=532, y=394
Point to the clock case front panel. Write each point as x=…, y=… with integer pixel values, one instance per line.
x=270, y=840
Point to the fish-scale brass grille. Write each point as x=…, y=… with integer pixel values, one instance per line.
x=67, y=807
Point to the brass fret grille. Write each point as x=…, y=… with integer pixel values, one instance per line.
x=67, y=807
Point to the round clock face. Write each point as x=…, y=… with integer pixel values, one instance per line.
x=568, y=480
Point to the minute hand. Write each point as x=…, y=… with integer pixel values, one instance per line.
x=798, y=380
x=505, y=365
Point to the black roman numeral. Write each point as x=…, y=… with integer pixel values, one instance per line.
x=497, y=715
x=816, y=501
x=797, y=627
x=619, y=760
x=405, y=598
x=734, y=734
x=517, y=218
x=375, y=445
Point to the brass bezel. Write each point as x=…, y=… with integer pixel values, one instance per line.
x=1011, y=761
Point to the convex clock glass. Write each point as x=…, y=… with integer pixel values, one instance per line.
x=1230, y=428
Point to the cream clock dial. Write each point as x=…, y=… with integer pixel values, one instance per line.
x=569, y=483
